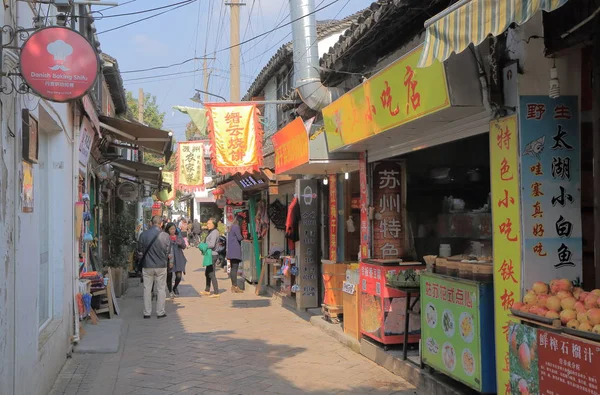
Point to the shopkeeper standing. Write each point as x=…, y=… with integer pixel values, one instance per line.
x=234, y=251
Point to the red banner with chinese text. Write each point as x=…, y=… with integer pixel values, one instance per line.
x=506, y=220
x=364, y=214
x=236, y=138
x=333, y=218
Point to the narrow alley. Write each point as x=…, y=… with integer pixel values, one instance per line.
x=237, y=344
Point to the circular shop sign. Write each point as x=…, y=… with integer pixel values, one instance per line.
x=127, y=191
x=59, y=64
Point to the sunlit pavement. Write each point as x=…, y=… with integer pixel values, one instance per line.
x=236, y=344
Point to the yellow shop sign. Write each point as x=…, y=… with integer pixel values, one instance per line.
x=396, y=95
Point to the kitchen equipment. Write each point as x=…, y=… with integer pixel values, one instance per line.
x=445, y=250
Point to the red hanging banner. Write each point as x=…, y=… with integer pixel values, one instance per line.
x=236, y=137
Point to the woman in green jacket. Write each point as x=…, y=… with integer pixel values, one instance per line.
x=210, y=258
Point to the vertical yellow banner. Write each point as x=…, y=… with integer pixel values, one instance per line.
x=504, y=152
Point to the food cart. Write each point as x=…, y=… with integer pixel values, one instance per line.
x=457, y=321
x=382, y=308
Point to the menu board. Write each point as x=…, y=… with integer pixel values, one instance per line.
x=308, y=247
x=450, y=328
x=548, y=363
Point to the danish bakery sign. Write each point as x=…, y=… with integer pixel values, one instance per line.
x=59, y=64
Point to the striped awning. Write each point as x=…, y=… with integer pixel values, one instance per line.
x=474, y=21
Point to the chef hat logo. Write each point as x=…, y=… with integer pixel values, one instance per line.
x=60, y=50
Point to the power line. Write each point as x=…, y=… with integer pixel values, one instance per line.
x=118, y=5
x=225, y=49
x=148, y=17
x=133, y=12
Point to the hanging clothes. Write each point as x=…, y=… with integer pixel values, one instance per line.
x=292, y=223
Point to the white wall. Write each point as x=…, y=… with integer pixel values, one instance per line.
x=31, y=359
x=534, y=73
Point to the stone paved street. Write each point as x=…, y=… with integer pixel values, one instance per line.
x=237, y=344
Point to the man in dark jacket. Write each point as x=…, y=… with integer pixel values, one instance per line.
x=156, y=245
x=234, y=252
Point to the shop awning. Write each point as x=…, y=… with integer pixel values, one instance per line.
x=141, y=171
x=472, y=21
x=154, y=140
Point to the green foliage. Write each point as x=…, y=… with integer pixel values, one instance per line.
x=192, y=132
x=120, y=233
x=153, y=117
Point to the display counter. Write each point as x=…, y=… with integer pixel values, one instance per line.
x=249, y=263
x=383, y=308
x=457, y=329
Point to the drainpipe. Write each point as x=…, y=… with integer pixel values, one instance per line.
x=75, y=195
x=306, y=57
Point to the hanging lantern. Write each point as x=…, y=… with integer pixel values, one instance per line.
x=218, y=193
x=163, y=195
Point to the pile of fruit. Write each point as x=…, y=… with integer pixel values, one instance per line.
x=575, y=308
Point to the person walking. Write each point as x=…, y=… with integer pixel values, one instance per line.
x=154, y=245
x=210, y=258
x=179, y=260
x=234, y=252
x=183, y=229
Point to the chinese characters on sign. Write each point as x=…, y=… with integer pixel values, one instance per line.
x=504, y=150
x=450, y=294
x=388, y=200
x=291, y=146
x=397, y=95
x=333, y=218
x=550, y=176
x=86, y=138
x=190, y=166
x=308, y=251
x=566, y=365
x=236, y=137
x=364, y=214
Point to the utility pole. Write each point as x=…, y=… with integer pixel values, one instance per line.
x=140, y=209
x=206, y=78
x=234, y=55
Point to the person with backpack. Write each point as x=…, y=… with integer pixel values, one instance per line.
x=154, y=250
x=234, y=252
x=208, y=249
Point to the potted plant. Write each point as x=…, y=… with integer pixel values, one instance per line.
x=120, y=232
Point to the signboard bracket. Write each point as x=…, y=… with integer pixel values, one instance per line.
x=18, y=86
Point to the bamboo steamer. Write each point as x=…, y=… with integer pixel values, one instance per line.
x=441, y=266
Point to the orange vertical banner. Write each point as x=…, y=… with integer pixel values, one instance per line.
x=236, y=137
x=333, y=211
x=506, y=218
x=364, y=214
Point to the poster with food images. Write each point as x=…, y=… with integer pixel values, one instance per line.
x=450, y=328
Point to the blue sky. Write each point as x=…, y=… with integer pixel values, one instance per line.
x=184, y=33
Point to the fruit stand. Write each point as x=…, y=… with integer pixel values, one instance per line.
x=457, y=322
x=555, y=343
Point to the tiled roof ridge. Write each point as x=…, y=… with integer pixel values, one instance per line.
x=324, y=29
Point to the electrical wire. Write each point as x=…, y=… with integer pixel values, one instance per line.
x=118, y=5
x=102, y=16
x=148, y=17
x=224, y=49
